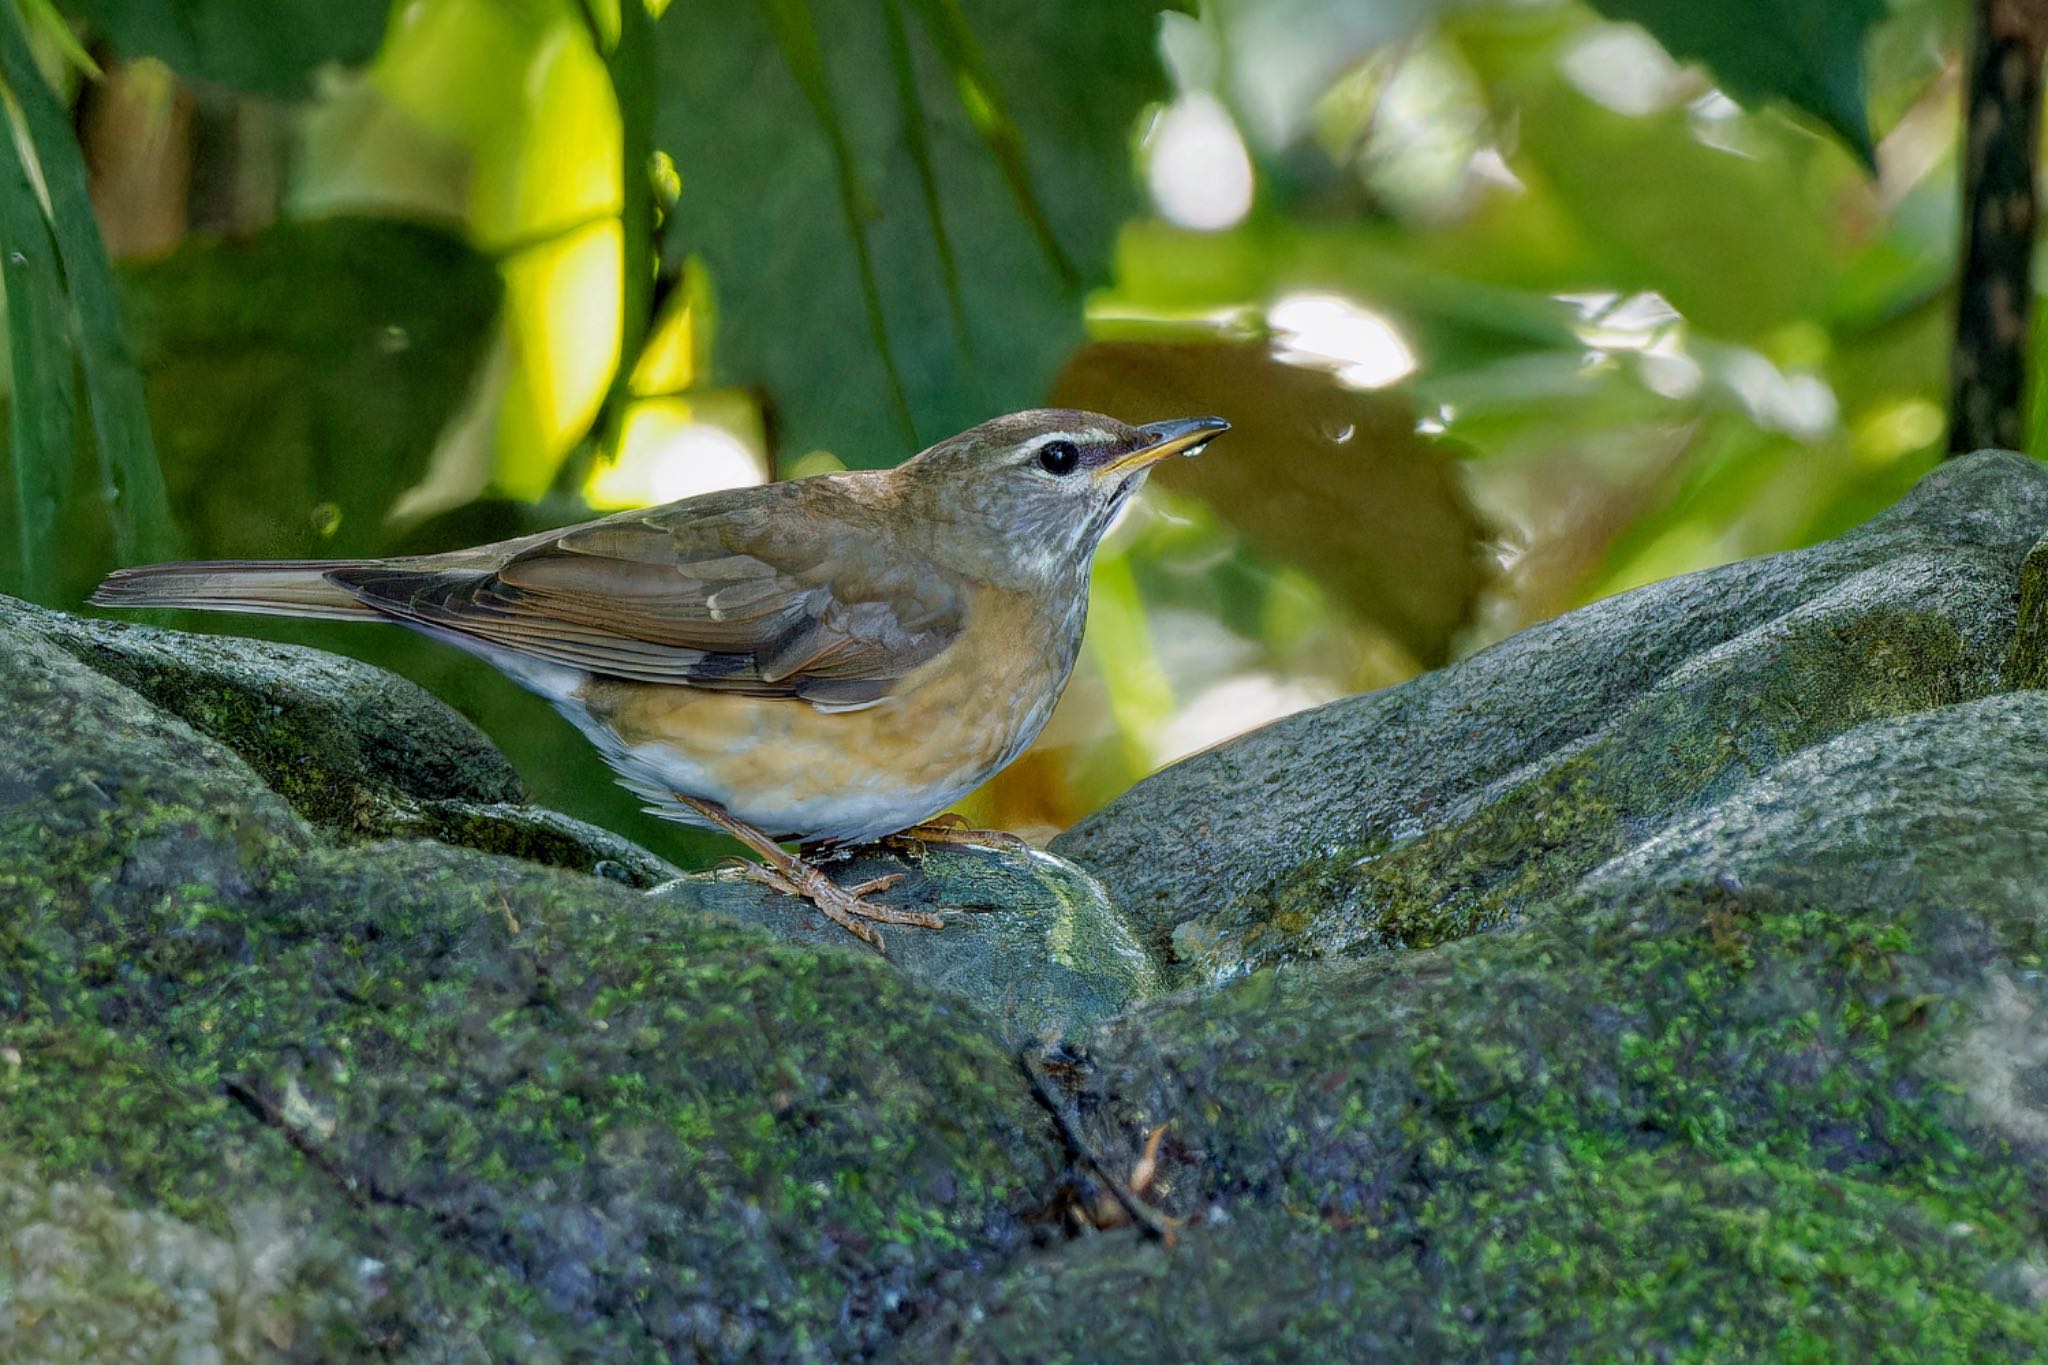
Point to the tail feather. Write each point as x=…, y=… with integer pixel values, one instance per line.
x=253, y=586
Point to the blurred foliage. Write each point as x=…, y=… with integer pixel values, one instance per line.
x=1808, y=53
x=299, y=376
x=976, y=160
x=1334, y=480
x=66, y=347
x=1510, y=305
x=269, y=49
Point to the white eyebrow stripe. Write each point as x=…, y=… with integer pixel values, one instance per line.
x=1092, y=436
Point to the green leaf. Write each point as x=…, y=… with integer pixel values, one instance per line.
x=132, y=483
x=1808, y=53
x=624, y=33
x=266, y=47
x=42, y=411
x=299, y=378
x=867, y=185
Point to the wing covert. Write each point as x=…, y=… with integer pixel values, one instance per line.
x=758, y=596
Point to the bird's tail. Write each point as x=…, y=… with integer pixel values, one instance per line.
x=284, y=587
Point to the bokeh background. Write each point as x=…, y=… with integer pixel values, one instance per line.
x=1513, y=303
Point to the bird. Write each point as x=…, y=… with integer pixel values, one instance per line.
x=823, y=661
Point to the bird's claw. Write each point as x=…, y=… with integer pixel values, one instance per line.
x=845, y=906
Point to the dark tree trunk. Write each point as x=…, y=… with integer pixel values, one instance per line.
x=1988, y=376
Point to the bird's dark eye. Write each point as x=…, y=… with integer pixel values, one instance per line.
x=1059, y=457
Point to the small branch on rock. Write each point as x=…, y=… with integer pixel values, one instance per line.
x=1159, y=1226
x=360, y=1192
x=271, y=1116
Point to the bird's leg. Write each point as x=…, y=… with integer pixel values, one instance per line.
x=792, y=876
x=954, y=829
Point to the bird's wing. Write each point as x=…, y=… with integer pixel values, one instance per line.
x=763, y=591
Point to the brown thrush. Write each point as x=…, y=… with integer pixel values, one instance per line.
x=829, y=659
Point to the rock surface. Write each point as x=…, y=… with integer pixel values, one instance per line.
x=1667, y=982
x=354, y=749
x=1030, y=941
x=1454, y=802
x=1767, y=1086
x=528, y=1109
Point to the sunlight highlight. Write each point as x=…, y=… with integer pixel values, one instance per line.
x=1229, y=708
x=1361, y=348
x=1199, y=173
x=667, y=454
x=1624, y=68
x=562, y=307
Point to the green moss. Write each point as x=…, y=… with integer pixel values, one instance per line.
x=2026, y=662
x=355, y=751
x=86, y=1277
x=1770, y=1086
x=1031, y=943
x=1419, y=813
x=1719, y=723
x=537, y=835
x=640, y=1115
x=1612, y=1253
x=553, y=1110
x=1752, y=1065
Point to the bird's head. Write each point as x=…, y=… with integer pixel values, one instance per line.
x=1028, y=496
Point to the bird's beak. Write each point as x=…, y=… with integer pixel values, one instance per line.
x=1182, y=436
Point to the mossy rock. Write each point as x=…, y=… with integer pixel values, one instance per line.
x=529, y=1113
x=359, y=753
x=1666, y=982
x=1768, y=1086
x=1456, y=802
x=356, y=750
x=87, y=1277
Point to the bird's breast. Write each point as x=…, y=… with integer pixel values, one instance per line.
x=795, y=769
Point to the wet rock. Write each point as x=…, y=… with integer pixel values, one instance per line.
x=356, y=750
x=1664, y=983
x=336, y=737
x=90, y=1278
x=1032, y=942
x=543, y=836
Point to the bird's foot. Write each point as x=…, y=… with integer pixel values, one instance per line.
x=846, y=906
x=952, y=829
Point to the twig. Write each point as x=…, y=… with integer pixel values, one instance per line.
x=1156, y=1224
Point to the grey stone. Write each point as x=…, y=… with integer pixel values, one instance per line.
x=1772, y=1084
x=1667, y=982
x=1451, y=803
x=355, y=749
